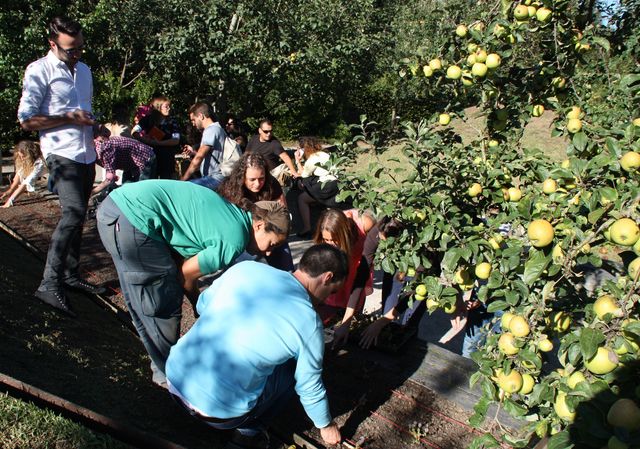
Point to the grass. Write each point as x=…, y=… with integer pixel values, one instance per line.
x=537, y=134
x=24, y=425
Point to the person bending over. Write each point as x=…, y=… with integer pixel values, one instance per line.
x=258, y=339
x=163, y=235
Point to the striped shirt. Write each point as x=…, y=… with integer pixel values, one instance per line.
x=122, y=153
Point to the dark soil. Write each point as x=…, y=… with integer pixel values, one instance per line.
x=97, y=362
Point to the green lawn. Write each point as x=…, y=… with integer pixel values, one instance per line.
x=24, y=425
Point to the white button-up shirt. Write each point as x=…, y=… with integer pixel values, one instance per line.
x=50, y=88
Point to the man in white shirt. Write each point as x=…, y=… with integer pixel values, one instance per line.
x=56, y=101
x=208, y=158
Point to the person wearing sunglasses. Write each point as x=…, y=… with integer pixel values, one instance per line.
x=280, y=164
x=56, y=101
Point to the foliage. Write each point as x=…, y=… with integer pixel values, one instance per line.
x=452, y=225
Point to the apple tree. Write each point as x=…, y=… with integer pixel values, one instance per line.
x=526, y=234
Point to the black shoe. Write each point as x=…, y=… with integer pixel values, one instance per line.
x=56, y=299
x=84, y=286
x=258, y=441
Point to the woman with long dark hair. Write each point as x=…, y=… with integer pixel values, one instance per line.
x=251, y=180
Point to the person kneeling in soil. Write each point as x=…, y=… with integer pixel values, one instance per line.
x=254, y=343
x=163, y=235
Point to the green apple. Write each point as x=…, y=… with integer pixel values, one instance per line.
x=454, y=72
x=493, y=60
x=543, y=14
x=479, y=69
x=521, y=12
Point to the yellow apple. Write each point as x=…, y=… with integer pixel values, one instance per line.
x=625, y=231
x=606, y=304
x=510, y=383
x=630, y=161
x=537, y=110
x=475, y=190
x=540, y=233
x=603, y=362
x=575, y=378
x=450, y=308
x=493, y=60
x=528, y=383
x=454, y=72
x=561, y=408
x=521, y=12
x=561, y=321
x=507, y=344
x=421, y=290
x=461, y=30
x=636, y=122
x=543, y=15
x=514, y=194
x=506, y=319
x=519, y=326
x=479, y=69
x=435, y=64
x=634, y=267
x=574, y=125
x=545, y=345
x=559, y=82
x=418, y=297
x=483, y=270
x=428, y=71
x=471, y=59
x=481, y=55
x=549, y=186
x=574, y=112
x=444, y=119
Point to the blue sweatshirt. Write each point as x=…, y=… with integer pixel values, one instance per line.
x=252, y=319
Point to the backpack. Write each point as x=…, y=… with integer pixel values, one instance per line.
x=230, y=155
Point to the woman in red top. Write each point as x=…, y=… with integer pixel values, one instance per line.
x=348, y=230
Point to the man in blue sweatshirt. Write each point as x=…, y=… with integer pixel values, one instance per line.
x=258, y=339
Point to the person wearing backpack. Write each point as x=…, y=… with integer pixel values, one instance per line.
x=209, y=157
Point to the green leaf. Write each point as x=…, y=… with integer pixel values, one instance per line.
x=561, y=440
x=580, y=141
x=590, y=339
x=497, y=305
x=450, y=259
x=514, y=409
x=485, y=441
x=534, y=266
x=595, y=215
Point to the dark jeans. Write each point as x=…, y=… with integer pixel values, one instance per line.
x=277, y=393
x=148, y=279
x=72, y=182
x=149, y=171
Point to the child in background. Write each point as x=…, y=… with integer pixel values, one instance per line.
x=29, y=166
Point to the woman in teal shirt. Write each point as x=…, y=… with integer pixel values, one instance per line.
x=163, y=235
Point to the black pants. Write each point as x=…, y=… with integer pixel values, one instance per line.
x=72, y=181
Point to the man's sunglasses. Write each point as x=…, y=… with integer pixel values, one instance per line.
x=71, y=51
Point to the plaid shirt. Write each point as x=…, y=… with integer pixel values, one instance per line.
x=122, y=153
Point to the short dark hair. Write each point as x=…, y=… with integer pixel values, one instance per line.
x=322, y=258
x=265, y=121
x=202, y=108
x=63, y=25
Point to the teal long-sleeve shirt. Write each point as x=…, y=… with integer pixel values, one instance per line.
x=252, y=319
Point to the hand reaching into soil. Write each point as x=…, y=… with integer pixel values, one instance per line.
x=341, y=334
x=331, y=434
x=370, y=335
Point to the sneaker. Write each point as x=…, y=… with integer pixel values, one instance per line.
x=241, y=441
x=84, y=286
x=56, y=299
